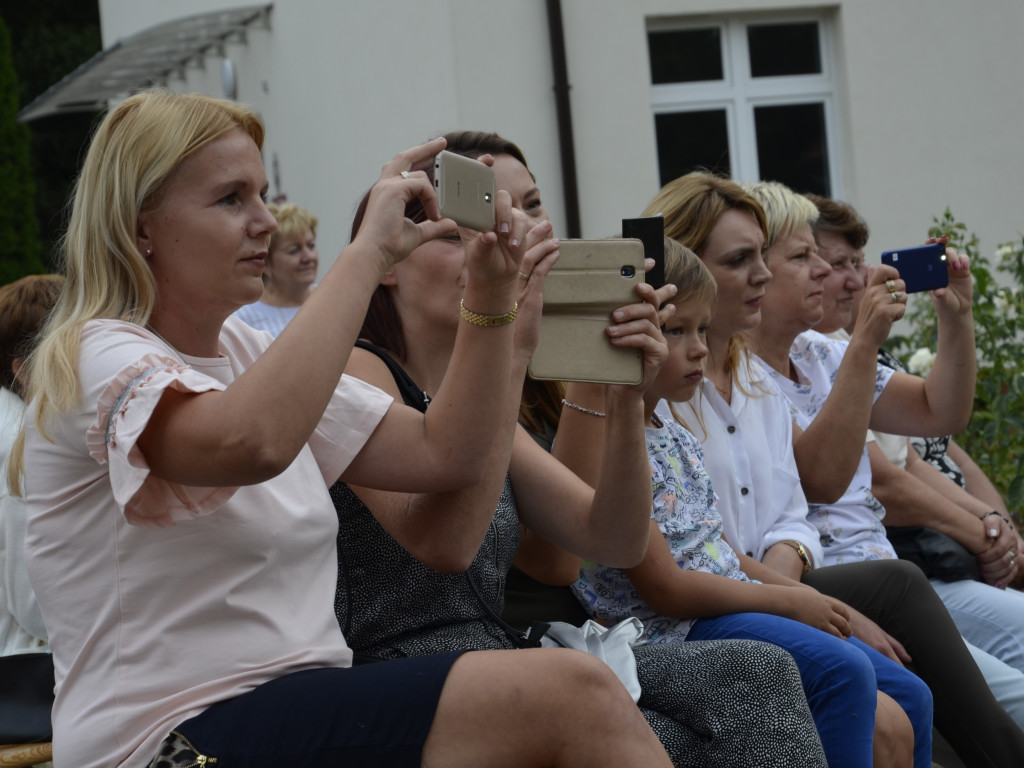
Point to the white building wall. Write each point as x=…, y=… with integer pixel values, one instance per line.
x=929, y=99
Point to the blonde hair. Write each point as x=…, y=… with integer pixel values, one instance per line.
x=691, y=207
x=292, y=221
x=695, y=283
x=685, y=270
x=785, y=211
x=132, y=153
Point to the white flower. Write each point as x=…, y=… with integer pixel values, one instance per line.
x=921, y=362
x=1001, y=302
x=1004, y=253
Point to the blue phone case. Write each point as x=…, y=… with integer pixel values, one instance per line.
x=922, y=267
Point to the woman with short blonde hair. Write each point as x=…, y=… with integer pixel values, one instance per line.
x=290, y=275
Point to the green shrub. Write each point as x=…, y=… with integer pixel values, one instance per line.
x=995, y=436
x=20, y=250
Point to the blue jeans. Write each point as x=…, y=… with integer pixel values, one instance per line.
x=841, y=680
x=1005, y=682
x=990, y=619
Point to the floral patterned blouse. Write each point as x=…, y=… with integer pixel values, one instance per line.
x=684, y=506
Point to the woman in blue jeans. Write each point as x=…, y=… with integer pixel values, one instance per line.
x=692, y=585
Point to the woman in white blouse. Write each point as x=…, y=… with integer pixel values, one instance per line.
x=752, y=449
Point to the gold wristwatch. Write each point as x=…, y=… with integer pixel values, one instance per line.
x=801, y=550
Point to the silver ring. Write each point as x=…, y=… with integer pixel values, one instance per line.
x=896, y=296
x=405, y=175
x=890, y=286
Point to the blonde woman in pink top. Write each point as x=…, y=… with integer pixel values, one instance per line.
x=180, y=537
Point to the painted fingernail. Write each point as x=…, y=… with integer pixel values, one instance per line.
x=993, y=532
x=515, y=242
x=504, y=227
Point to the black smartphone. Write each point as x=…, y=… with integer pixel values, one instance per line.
x=922, y=267
x=649, y=230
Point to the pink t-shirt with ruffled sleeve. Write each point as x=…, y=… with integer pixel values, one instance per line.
x=163, y=599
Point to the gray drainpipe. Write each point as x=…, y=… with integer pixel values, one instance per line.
x=564, y=112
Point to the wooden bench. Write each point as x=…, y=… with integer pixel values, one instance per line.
x=25, y=755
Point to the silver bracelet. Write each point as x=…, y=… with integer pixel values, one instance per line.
x=581, y=409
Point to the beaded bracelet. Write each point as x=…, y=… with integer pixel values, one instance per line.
x=487, y=321
x=581, y=409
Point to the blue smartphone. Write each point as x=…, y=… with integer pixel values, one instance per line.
x=922, y=267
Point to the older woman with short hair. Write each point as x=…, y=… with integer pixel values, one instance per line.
x=290, y=274
x=748, y=437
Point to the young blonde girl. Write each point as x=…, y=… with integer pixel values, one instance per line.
x=692, y=585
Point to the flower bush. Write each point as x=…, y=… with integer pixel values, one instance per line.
x=995, y=436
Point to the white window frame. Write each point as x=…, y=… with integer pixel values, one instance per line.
x=738, y=94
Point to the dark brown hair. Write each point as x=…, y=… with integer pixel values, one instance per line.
x=24, y=305
x=382, y=325
x=839, y=218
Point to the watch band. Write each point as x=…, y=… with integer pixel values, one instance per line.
x=801, y=550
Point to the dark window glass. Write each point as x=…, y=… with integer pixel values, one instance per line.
x=784, y=49
x=792, y=147
x=685, y=55
x=691, y=140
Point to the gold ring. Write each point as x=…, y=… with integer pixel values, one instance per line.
x=524, y=276
x=890, y=285
x=896, y=296
x=405, y=175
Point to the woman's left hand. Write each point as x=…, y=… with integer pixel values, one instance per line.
x=638, y=326
x=541, y=255
x=957, y=296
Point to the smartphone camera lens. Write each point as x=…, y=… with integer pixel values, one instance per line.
x=487, y=197
x=627, y=271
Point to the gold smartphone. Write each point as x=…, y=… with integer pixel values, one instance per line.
x=465, y=190
x=590, y=280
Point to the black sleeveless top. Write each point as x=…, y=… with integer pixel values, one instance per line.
x=390, y=605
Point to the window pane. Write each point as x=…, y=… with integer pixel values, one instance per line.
x=691, y=140
x=685, y=55
x=792, y=147
x=784, y=49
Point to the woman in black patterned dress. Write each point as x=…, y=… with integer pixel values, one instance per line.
x=424, y=573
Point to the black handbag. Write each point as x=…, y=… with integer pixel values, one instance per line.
x=939, y=556
x=26, y=698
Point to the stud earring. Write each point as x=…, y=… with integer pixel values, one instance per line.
x=149, y=251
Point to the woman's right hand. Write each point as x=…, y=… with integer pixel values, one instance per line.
x=878, y=309
x=385, y=226
x=814, y=609
x=996, y=564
